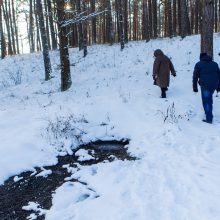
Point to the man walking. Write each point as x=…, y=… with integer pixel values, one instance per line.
x=161, y=71
x=207, y=74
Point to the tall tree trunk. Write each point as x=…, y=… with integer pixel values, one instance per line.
x=31, y=28
x=73, y=29
x=154, y=22
x=45, y=47
x=3, y=49
x=207, y=27
x=93, y=22
x=150, y=18
x=84, y=32
x=5, y=15
x=170, y=28
x=125, y=3
x=121, y=24
x=109, y=28
x=216, y=16
x=52, y=29
x=12, y=27
x=47, y=23
x=219, y=15
x=145, y=22
x=130, y=20
x=80, y=28
x=174, y=18
x=135, y=20
x=184, y=19
x=117, y=20
x=197, y=19
x=38, y=40
x=64, y=52
x=15, y=27
x=192, y=17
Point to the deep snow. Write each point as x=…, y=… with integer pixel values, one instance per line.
x=113, y=96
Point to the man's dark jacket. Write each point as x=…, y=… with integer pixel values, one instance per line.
x=207, y=73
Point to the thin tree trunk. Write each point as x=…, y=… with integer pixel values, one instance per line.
x=31, y=29
x=192, y=7
x=93, y=22
x=38, y=40
x=109, y=28
x=197, y=16
x=15, y=27
x=3, y=49
x=216, y=16
x=174, y=18
x=125, y=20
x=84, y=32
x=130, y=20
x=64, y=52
x=150, y=18
x=170, y=28
x=121, y=24
x=154, y=22
x=80, y=28
x=5, y=15
x=47, y=23
x=52, y=29
x=184, y=19
x=145, y=24
x=45, y=47
x=12, y=27
x=135, y=20
x=207, y=27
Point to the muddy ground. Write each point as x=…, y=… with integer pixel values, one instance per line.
x=16, y=194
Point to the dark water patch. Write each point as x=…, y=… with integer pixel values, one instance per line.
x=30, y=187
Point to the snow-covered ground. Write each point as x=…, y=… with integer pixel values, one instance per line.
x=112, y=97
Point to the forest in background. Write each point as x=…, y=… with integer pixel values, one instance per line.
x=61, y=24
x=99, y=21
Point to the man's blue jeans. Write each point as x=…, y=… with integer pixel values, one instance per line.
x=207, y=102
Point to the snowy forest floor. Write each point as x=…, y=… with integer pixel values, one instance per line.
x=176, y=175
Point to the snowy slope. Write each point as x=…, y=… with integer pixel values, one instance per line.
x=177, y=176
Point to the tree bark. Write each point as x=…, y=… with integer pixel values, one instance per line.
x=3, y=48
x=5, y=15
x=121, y=24
x=150, y=18
x=174, y=18
x=31, y=28
x=93, y=22
x=154, y=22
x=11, y=27
x=207, y=27
x=47, y=23
x=80, y=28
x=184, y=19
x=52, y=29
x=15, y=27
x=64, y=52
x=47, y=64
x=109, y=28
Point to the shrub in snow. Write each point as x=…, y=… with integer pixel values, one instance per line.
x=65, y=131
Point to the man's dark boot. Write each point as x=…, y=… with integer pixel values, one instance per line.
x=209, y=122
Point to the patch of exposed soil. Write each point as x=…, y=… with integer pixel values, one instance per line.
x=32, y=188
